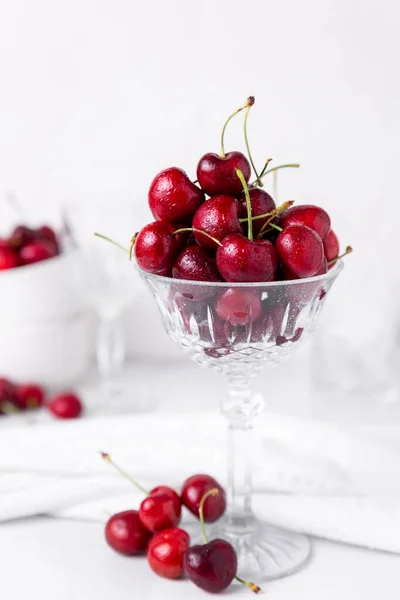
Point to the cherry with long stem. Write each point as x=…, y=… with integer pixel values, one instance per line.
x=348, y=250
x=274, y=169
x=248, y=203
x=246, y=141
x=214, y=492
x=249, y=102
x=105, y=456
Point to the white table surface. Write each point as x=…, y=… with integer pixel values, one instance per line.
x=57, y=559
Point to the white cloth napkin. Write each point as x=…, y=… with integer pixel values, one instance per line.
x=341, y=484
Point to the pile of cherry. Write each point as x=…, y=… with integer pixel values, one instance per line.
x=18, y=398
x=237, y=234
x=26, y=246
x=153, y=530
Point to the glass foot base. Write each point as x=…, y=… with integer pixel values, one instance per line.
x=269, y=553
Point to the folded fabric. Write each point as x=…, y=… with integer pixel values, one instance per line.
x=338, y=483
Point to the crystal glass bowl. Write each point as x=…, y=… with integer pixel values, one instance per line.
x=238, y=328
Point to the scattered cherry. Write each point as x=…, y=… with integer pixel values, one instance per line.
x=193, y=490
x=161, y=509
x=218, y=217
x=165, y=552
x=213, y=565
x=65, y=406
x=173, y=197
x=126, y=533
x=22, y=235
x=8, y=258
x=29, y=395
x=156, y=248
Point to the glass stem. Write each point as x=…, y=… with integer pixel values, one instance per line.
x=240, y=407
x=110, y=347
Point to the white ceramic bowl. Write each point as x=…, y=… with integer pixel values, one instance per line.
x=42, y=291
x=54, y=354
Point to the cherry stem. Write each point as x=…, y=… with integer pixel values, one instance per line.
x=265, y=167
x=212, y=492
x=258, y=180
x=348, y=250
x=275, y=227
x=133, y=240
x=293, y=165
x=278, y=210
x=254, y=588
x=249, y=215
x=108, y=459
x=272, y=213
x=107, y=239
x=249, y=102
x=198, y=231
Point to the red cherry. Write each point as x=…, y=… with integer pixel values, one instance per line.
x=30, y=395
x=212, y=567
x=46, y=233
x=218, y=216
x=126, y=533
x=331, y=246
x=165, y=552
x=37, y=251
x=261, y=203
x=161, y=509
x=238, y=306
x=300, y=250
x=22, y=235
x=155, y=248
x=7, y=394
x=217, y=175
x=195, y=263
x=241, y=259
x=8, y=258
x=193, y=491
x=323, y=268
x=65, y=406
x=173, y=197
x=314, y=217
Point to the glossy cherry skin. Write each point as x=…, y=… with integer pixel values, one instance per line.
x=300, y=250
x=218, y=175
x=166, y=551
x=314, y=217
x=30, y=395
x=65, y=406
x=8, y=258
x=218, y=217
x=161, y=509
x=173, y=197
x=196, y=264
x=261, y=203
x=126, y=533
x=242, y=260
x=238, y=306
x=212, y=566
x=331, y=246
x=22, y=235
x=193, y=490
x=37, y=251
x=156, y=248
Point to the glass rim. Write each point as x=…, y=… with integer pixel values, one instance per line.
x=331, y=274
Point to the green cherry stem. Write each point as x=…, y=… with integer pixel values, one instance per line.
x=249, y=215
x=249, y=102
x=108, y=459
x=289, y=165
x=265, y=167
x=258, y=180
x=271, y=214
x=275, y=227
x=198, y=231
x=348, y=250
x=107, y=239
x=212, y=492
